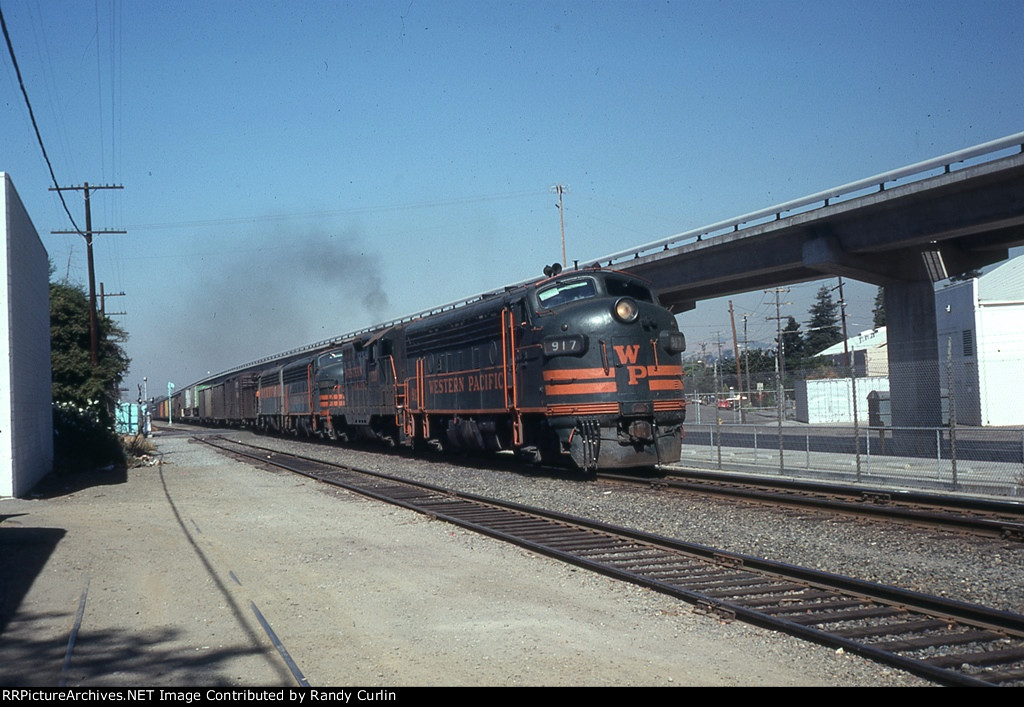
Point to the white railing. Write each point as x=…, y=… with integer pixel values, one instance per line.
x=977, y=460
x=918, y=170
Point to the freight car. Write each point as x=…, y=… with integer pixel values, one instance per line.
x=582, y=366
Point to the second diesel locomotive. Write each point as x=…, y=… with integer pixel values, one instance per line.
x=582, y=366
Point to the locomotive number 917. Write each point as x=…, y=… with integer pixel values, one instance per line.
x=581, y=366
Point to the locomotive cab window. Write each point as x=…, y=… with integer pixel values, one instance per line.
x=566, y=291
x=628, y=288
x=523, y=311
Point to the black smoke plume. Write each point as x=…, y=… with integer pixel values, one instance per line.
x=282, y=293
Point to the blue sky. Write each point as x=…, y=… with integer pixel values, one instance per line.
x=295, y=170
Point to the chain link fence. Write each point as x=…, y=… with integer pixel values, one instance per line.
x=952, y=419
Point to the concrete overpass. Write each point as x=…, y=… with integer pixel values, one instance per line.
x=904, y=229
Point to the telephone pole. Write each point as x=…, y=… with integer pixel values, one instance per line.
x=94, y=351
x=746, y=358
x=103, y=302
x=561, y=189
x=739, y=368
x=780, y=393
x=853, y=378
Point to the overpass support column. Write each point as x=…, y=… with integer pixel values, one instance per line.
x=913, y=356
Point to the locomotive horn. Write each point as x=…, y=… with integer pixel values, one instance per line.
x=552, y=270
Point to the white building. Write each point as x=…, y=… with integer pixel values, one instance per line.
x=870, y=353
x=26, y=420
x=980, y=324
x=830, y=400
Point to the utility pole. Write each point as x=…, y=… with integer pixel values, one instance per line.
x=780, y=361
x=853, y=378
x=746, y=358
x=103, y=302
x=718, y=393
x=93, y=329
x=561, y=189
x=718, y=369
x=779, y=391
x=703, y=375
x=739, y=369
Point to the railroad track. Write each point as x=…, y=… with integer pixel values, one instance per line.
x=989, y=518
x=946, y=641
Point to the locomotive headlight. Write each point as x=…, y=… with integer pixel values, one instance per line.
x=626, y=310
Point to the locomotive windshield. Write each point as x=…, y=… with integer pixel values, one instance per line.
x=566, y=291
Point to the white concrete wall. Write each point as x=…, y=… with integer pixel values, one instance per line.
x=981, y=333
x=830, y=400
x=26, y=422
x=1000, y=352
x=877, y=365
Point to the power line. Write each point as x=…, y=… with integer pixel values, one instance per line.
x=93, y=331
x=32, y=116
x=335, y=212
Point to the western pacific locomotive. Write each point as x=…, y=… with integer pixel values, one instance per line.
x=582, y=366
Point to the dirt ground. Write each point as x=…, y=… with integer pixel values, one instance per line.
x=174, y=560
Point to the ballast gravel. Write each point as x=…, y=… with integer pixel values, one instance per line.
x=966, y=568
x=174, y=558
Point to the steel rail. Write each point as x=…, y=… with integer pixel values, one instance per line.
x=300, y=679
x=980, y=516
x=774, y=595
x=962, y=501
x=65, y=669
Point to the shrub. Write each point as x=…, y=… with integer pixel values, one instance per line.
x=81, y=442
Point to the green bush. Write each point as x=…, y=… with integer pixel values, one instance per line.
x=81, y=442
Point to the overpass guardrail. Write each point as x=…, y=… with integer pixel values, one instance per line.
x=985, y=152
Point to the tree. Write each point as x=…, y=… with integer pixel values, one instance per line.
x=823, y=327
x=759, y=361
x=793, y=345
x=879, y=310
x=74, y=380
